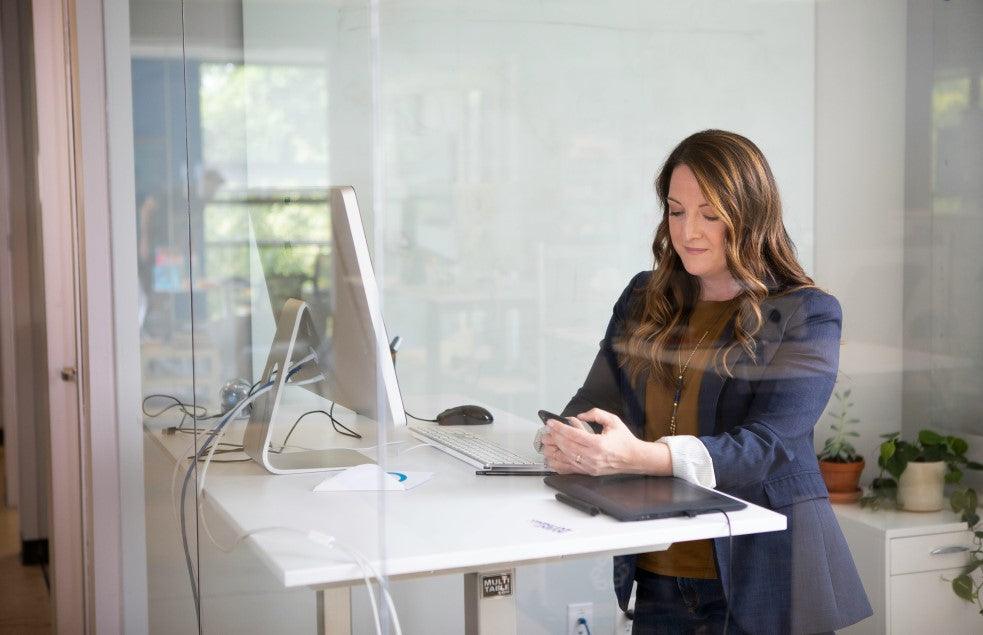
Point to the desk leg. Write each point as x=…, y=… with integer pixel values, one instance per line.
x=334, y=611
x=489, y=602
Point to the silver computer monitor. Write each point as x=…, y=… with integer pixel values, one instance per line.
x=354, y=367
x=365, y=374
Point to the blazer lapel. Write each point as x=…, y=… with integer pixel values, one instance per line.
x=710, y=387
x=712, y=384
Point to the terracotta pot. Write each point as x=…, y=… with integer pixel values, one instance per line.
x=920, y=487
x=842, y=480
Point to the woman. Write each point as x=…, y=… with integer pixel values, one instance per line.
x=715, y=367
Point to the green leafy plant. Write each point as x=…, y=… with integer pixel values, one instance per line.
x=838, y=447
x=896, y=454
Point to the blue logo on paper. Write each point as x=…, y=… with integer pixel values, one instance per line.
x=399, y=475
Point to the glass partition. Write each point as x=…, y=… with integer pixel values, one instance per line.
x=167, y=346
x=502, y=156
x=503, y=159
x=232, y=161
x=944, y=227
x=519, y=144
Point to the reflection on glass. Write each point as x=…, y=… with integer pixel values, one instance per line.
x=274, y=111
x=520, y=142
x=957, y=233
x=222, y=201
x=164, y=258
x=231, y=165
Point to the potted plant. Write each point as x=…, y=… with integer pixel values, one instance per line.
x=838, y=461
x=912, y=484
x=920, y=469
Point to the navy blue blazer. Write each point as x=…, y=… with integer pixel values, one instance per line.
x=758, y=429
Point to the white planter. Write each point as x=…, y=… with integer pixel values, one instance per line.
x=920, y=487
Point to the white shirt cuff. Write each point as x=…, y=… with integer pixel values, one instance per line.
x=690, y=460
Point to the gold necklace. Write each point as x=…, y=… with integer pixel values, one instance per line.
x=682, y=370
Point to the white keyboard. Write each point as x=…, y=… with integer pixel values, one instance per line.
x=473, y=449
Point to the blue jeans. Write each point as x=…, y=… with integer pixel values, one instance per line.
x=672, y=606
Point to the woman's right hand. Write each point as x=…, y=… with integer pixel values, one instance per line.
x=615, y=450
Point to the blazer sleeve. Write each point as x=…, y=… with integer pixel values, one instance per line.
x=791, y=395
x=602, y=388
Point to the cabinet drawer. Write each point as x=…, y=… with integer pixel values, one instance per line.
x=924, y=603
x=930, y=552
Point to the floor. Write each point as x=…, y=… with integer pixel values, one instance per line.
x=24, y=603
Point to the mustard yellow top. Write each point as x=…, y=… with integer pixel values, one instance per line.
x=692, y=559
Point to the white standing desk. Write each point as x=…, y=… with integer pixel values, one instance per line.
x=456, y=522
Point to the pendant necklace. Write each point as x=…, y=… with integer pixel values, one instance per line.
x=682, y=370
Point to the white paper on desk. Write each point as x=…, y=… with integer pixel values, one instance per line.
x=370, y=478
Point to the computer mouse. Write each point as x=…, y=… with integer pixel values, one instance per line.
x=464, y=416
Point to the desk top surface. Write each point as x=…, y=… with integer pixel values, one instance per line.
x=457, y=521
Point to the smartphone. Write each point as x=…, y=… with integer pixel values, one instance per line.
x=546, y=415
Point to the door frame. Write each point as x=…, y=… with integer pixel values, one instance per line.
x=57, y=193
x=98, y=581
x=109, y=300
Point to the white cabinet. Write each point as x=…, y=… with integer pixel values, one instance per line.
x=906, y=561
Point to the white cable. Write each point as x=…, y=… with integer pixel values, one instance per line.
x=177, y=469
x=363, y=563
x=222, y=548
x=372, y=600
x=220, y=430
x=367, y=447
x=365, y=567
x=382, y=585
x=304, y=382
x=310, y=357
x=219, y=427
x=418, y=445
x=239, y=407
x=191, y=446
x=331, y=543
x=179, y=462
x=208, y=460
x=297, y=447
x=243, y=536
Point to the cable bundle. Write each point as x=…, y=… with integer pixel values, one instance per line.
x=210, y=443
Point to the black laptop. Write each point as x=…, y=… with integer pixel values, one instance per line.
x=638, y=497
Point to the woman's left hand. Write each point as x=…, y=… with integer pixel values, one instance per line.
x=569, y=450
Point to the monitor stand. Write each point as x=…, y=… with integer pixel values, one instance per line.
x=295, y=339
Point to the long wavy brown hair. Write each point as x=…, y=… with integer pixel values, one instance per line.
x=738, y=183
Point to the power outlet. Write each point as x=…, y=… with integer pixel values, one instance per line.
x=575, y=612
